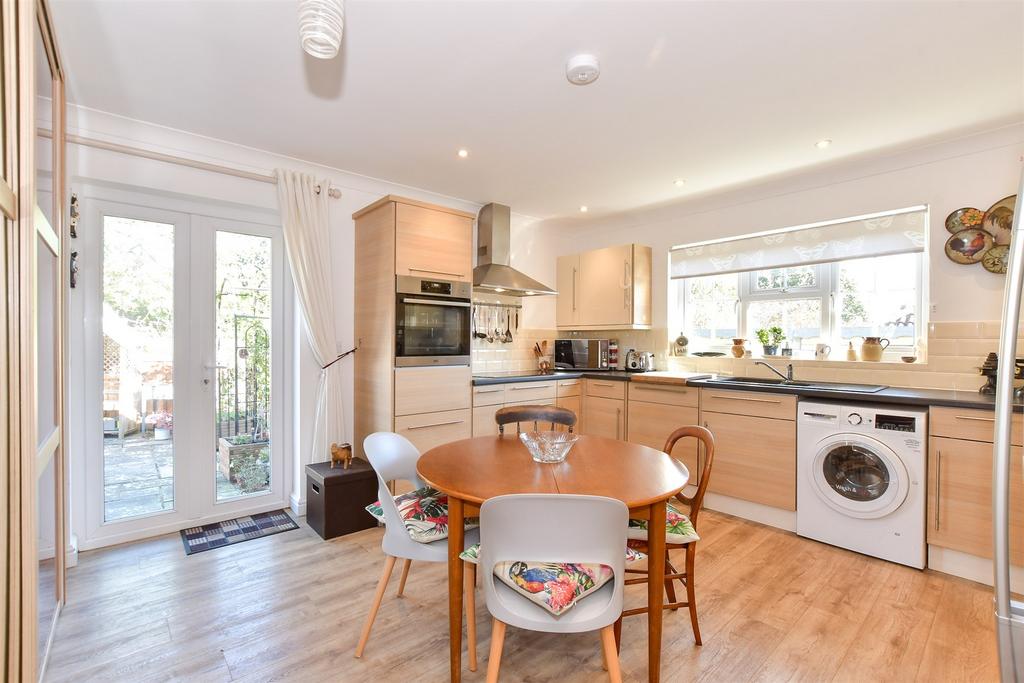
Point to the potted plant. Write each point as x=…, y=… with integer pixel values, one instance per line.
x=162, y=424
x=770, y=339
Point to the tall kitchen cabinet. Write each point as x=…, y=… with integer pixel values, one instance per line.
x=398, y=236
x=607, y=288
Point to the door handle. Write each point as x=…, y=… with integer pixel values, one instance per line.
x=435, y=272
x=938, y=483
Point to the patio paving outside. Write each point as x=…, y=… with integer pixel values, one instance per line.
x=138, y=477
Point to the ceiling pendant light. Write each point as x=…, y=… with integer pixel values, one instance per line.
x=321, y=23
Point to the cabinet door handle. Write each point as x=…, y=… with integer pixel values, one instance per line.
x=541, y=386
x=938, y=484
x=569, y=384
x=746, y=398
x=436, y=424
x=488, y=391
x=574, y=289
x=618, y=422
x=655, y=387
x=626, y=283
x=603, y=384
x=436, y=272
x=975, y=419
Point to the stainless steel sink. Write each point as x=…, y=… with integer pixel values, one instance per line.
x=821, y=386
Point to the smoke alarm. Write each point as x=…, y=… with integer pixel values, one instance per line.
x=582, y=69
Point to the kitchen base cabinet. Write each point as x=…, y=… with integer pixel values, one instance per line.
x=573, y=403
x=433, y=429
x=755, y=458
x=650, y=424
x=604, y=417
x=488, y=399
x=960, y=497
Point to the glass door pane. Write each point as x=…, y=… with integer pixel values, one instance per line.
x=138, y=367
x=244, y=277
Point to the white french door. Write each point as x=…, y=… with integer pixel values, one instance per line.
x=183, y=350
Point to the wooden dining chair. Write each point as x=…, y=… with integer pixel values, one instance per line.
x=535, y=414
x=681, y=532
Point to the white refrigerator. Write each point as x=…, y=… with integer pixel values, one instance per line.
x=1009, y=613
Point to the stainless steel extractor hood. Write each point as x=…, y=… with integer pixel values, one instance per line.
x=493, y=274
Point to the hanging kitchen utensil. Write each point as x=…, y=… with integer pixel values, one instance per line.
x=508, y=326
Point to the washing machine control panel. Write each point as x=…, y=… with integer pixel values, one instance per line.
x=896, y=423
x=855, y=418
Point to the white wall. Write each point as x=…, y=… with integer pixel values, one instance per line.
x=974, y=171
x=117, y=170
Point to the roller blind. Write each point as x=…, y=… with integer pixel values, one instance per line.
x=881, y=234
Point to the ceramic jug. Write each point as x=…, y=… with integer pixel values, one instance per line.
x=738, y=348
x=872, y=348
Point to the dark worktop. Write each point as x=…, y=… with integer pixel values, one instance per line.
x=498, y=378
x=896, y=395
x=901, y=395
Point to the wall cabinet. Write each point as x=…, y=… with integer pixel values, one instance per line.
x=654, y=412
x=433, y=244
x=607, y=288
x=755, y=446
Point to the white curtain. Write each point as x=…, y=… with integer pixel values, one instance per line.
x=308, y=243
x=893, y=232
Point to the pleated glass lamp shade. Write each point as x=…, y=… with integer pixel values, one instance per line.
x=321, y=23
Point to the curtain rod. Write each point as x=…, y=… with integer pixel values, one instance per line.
x=333, y=192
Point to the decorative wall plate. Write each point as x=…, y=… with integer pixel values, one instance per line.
x=998, y=220
x=968, y=246
x=967, y=217
x=995, y=259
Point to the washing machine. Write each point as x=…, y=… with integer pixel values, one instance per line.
x=861, y=478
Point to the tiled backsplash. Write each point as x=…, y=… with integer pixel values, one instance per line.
x=955, y=351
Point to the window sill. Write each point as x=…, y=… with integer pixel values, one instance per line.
x=884, y=364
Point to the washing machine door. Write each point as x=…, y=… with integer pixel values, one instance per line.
x=859, y=476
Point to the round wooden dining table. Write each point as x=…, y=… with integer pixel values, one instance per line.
x=471, y=471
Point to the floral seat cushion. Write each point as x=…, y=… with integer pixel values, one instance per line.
x=424, y=512
x=555, y=586
x=678, y=528
x=472, y=554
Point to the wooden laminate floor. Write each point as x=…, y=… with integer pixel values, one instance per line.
x=772, y=606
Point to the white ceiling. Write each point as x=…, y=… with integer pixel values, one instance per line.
x=718, y=93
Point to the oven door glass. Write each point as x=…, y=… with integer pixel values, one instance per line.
x=428, y=327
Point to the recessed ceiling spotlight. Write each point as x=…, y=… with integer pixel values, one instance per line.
x=499, y=290
x=584, y=209
x=822, y=144
x=463, y=153
x=678, y=182
x=582, y=69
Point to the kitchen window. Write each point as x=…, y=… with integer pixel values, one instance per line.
x=830, y=303
x=830, y=282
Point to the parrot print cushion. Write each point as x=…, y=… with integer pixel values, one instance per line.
x=472, y=554
x=678, y=528
x=555, y=586
x=424, y=512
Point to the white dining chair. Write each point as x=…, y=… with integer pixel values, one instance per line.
x=553, y=528
x=394, y=458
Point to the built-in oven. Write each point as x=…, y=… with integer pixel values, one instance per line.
x=432, y=322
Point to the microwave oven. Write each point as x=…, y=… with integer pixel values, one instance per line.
x=581, y=354
x=432, y=322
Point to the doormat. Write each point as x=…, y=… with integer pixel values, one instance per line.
x=209, y=536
